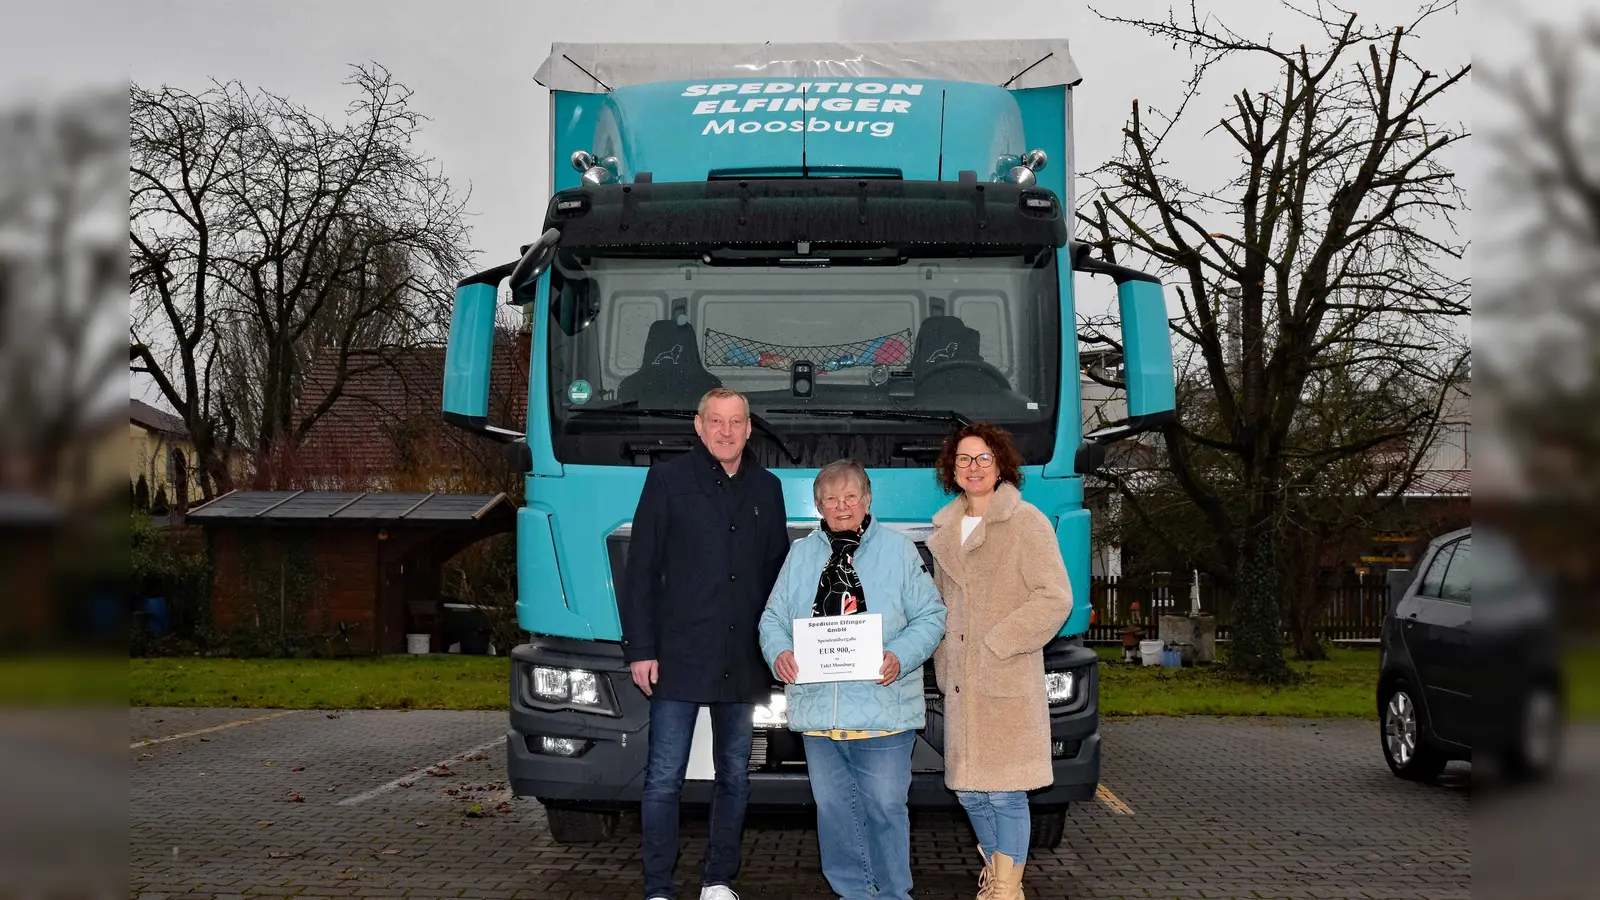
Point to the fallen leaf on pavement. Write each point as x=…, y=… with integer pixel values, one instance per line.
x=262, y=823
x=292, y=797
x=298, y=769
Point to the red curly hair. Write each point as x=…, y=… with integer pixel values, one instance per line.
x=1007, y=461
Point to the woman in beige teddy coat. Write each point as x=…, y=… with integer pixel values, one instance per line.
x=999, y=569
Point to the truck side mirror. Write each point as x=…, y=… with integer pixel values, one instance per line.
x=1147, y=357
x=468, y=356
x=535, y=259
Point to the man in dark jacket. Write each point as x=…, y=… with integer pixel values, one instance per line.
x=709, y=538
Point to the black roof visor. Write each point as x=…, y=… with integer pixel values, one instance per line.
x=828, y=212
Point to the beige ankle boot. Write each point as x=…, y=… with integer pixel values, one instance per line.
x=1007, y=884
x=985, y=876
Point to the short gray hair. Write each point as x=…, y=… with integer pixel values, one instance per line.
x=837, y=470
x=719, y=393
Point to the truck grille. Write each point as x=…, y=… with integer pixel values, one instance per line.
x=617, y=546
x=758, y=750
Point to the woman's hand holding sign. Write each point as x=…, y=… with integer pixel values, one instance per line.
x=786, y=668
x=891, y=668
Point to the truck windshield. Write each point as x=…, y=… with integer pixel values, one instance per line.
x=900, y=349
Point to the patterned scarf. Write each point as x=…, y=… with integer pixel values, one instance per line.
x=839, y=591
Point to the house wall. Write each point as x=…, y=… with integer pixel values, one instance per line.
x=150, y=454
x=327, y=576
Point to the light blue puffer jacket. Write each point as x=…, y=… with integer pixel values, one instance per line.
x=896, y=585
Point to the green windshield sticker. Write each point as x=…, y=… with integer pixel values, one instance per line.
x=579, y=391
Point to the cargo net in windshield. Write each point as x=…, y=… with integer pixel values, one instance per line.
x=885, y=350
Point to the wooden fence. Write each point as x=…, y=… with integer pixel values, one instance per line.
x=1354, y=606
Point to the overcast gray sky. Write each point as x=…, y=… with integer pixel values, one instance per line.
x=471, y=64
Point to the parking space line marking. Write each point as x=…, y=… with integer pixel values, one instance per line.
x=1111, y=801
x=412, y=776
x=151, y=742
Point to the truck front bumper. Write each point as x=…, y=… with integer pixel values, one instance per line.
x=608, y=772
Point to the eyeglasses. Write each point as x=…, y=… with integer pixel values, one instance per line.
x=836, y=502
x=965, y=461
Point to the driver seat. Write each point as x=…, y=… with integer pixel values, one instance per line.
x=670, y=375
x=941, y=339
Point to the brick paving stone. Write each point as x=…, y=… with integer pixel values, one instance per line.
x=1222, y=808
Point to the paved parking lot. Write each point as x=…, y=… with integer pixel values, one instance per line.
x=413, y=804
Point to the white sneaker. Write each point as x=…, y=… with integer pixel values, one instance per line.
x=718, y=892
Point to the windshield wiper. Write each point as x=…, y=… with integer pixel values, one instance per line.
x=932, y=415
x=631, y=408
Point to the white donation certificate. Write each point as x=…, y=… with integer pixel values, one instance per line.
x=839, y=648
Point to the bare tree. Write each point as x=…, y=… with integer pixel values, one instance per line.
x=1548, y=180
x=264, y=237
x=61, y=290
x=1326, y=263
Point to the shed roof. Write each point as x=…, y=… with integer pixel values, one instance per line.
x=349, y=507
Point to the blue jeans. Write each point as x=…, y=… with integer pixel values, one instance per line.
x=863, y=828
x=671, y=733
x=1001, y=821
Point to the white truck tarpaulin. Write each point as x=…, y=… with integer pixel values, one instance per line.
x=597, y=68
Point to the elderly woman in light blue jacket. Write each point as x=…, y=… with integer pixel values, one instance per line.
x=858, y=734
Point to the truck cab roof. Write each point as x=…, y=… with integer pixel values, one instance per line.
x=1014, y=65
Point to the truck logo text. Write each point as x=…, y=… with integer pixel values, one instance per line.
x=814, y=97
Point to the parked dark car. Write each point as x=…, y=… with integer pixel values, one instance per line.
x=1461, y=675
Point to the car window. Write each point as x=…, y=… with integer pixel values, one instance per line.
x=1433, y=579
x=1458, y=577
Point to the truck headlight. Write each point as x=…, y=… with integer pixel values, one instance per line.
x=1059, y=687
x=576, y=688
x=773, y=715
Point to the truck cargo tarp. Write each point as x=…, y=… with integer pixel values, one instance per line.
x=596, y=68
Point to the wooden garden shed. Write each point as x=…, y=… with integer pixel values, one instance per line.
x=360, y=570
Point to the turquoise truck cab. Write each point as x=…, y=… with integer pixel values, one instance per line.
x=870, y=241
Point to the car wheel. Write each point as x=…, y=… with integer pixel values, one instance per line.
x=572, y=826
x=1533, y=750
x=1404, y=747
x=1046, y=828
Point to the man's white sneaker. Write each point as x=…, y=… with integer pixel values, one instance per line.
x=718, y=892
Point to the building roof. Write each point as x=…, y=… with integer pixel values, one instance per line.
x=349, y=507
x=142, y=413
x=387, y=418
x=20, y=509
x=1441, y=483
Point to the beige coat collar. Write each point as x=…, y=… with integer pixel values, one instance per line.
x=946, y=545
